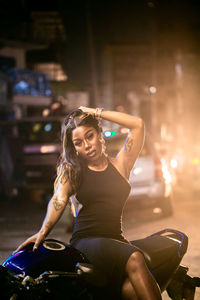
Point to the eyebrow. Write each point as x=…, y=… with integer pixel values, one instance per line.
x=77, y=139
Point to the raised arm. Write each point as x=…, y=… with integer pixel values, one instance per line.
x=127, y=156
x=55, y=209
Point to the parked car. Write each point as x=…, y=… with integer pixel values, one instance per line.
x=40, y=148
x=150, y=180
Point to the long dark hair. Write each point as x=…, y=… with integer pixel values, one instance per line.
x=70, y=165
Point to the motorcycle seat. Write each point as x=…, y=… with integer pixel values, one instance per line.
x=159, y=250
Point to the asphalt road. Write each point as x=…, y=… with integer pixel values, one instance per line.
x=18, y=220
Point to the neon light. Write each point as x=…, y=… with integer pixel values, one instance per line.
x=48, y=127
x=109, y=133
x=36, y=127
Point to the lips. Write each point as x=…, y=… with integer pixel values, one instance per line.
x=91, y=153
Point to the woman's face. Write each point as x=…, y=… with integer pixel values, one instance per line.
x=86, y=142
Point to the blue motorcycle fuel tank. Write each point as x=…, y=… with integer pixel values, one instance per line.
x=52, y=255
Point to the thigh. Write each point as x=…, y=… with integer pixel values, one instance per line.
x=109, y=258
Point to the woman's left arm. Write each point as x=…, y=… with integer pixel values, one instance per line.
x=127, y=156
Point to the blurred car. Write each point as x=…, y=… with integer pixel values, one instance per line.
x=40, y=143
x=189, y=174
x=150, y=180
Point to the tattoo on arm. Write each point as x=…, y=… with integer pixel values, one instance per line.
x=129, y=144
x=58, y=204
x=48, y=225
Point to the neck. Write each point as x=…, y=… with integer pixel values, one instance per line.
x=100, y=164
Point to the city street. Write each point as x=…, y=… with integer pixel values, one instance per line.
x=20, y=220
x=79, y=80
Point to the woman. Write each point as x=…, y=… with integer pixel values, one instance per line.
x=101, y=186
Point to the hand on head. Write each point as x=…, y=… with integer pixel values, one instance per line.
x=87, y=110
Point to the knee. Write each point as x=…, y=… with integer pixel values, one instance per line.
x=128, y=291
x=135, y=262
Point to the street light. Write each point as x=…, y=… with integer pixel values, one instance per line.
x=152, y=89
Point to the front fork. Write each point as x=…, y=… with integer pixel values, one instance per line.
x=183, y=286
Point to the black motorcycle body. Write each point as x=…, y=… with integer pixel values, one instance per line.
x=58, y=270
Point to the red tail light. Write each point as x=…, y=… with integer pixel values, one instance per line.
x=158, y=168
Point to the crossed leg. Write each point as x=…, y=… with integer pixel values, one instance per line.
x=139, y=284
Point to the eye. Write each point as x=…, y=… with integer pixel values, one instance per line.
x=77, y=144
x=90, y=136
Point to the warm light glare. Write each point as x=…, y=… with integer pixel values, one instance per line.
x=166, y=173
x=42, y=149
x=48, y=148
x=196, y=161
x=152, y=89
x=55, y=105
x=124, y=130
x=54, y=70
x=46, y=112
x=157, y=210
x=174, y=163
x=137, y=171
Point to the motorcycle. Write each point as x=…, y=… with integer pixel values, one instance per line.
x=59, y=271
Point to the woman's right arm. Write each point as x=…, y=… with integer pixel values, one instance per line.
x=55, y=209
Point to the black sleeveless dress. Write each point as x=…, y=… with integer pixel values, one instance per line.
x=97, y=230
